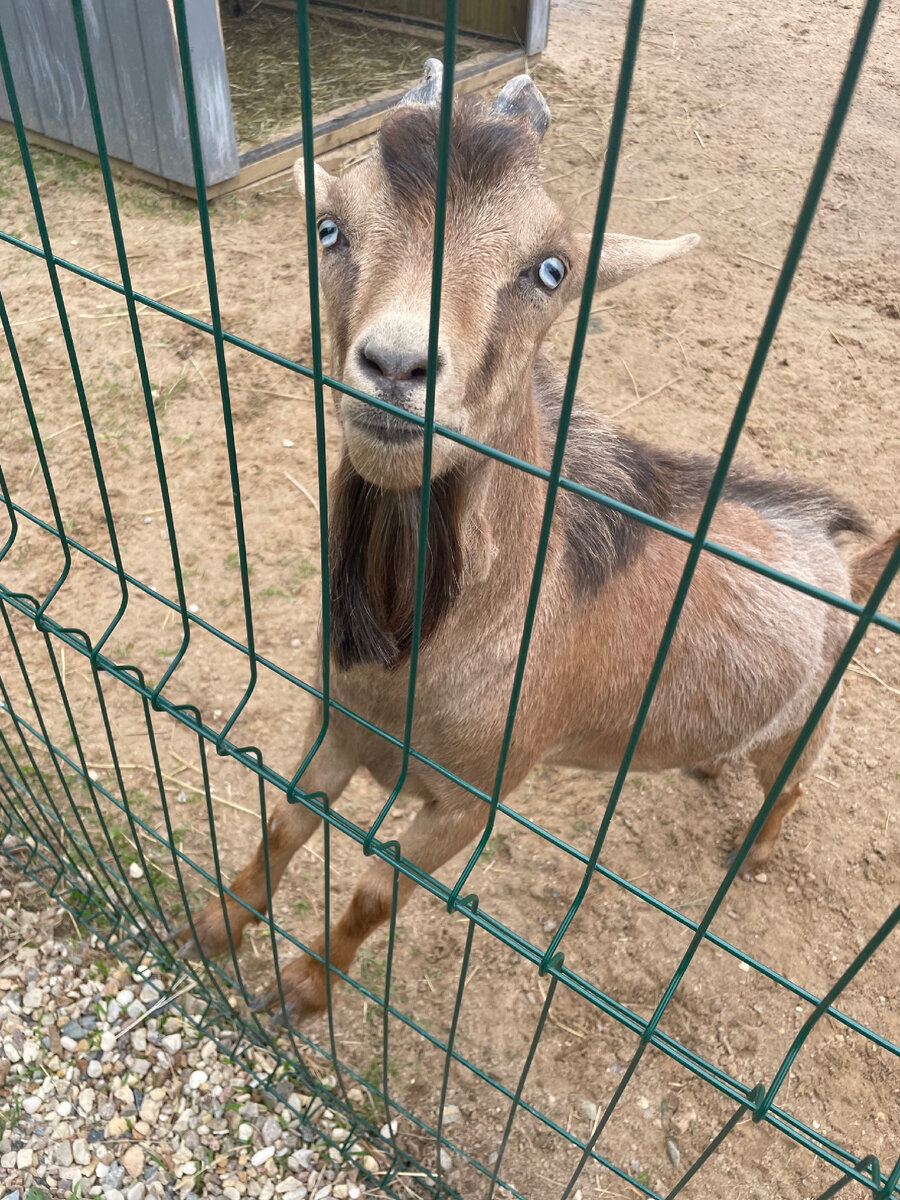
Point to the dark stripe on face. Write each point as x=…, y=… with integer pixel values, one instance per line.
x=484, y=149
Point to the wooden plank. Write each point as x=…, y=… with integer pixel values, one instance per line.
x=61, y=92
x=103, y=62
x=125, y=76
x=217, y=139
x=14, y=36
x=538, y=29
x=42, y=104
x=160, y=66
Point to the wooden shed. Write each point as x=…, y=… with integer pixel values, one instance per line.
x=244, y=56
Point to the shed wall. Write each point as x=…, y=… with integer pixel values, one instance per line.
x=134, y=54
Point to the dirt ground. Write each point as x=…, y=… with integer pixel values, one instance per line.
x=727, y=111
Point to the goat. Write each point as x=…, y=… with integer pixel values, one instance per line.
x=749, y=656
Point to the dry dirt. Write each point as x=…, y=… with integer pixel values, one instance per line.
x=728, y=107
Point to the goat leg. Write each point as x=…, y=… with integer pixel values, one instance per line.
x=221, y=923
x=441, y=829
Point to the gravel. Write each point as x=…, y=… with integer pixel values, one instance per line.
x=91, y=1107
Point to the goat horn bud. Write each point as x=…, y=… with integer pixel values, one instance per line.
x=428, y=89
x=520, y=98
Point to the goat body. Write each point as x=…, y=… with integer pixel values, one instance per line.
x=749, y=656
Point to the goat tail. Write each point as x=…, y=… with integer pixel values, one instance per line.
x=866, y=567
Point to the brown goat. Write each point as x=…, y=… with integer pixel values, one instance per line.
x=749, y=656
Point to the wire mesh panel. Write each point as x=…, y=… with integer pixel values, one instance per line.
x=138, y=724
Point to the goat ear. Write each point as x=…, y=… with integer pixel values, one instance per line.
x=520, y=98
x=428, y=89
x=624, y=256
x=322, y=178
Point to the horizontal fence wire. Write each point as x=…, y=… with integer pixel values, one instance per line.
x=64, y=827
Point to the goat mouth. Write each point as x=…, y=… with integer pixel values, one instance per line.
x=386, y=426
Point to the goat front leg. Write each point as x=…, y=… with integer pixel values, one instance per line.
x=289, y=826
x=441, y=829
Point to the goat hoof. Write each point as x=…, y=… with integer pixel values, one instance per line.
x=189, y=950
x=283, y=1017
x=301, y=995
x=265, y=1000
x=755, y=860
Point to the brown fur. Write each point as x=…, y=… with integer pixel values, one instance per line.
x=749, y=656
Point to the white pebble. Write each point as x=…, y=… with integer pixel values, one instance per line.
x=67, y=1043
x=64, y=1108
x=86, y=1099
x=262, y=1156
x=25, y=1158
x=94, y=1070
x=245, y=1132
x=31, y=1104
x=446, y=1160
x=125, y=997
x=172, y=1043
x=287, y=443
x=135, y=871
x=107, y=1042
x=197, y=1079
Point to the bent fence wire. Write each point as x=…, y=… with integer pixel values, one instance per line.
x=63, y=821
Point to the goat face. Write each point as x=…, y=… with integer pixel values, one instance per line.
x=511, y=263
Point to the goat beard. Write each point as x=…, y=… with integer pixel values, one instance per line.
x=373, y=547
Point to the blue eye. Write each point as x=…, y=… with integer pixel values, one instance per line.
x=328, y=232
x=551, y=273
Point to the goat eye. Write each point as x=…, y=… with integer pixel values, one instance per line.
x=328, y=232
x=551, y=273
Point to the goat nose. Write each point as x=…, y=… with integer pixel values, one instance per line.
x=396, y=364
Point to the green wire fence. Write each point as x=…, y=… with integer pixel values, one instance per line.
x=61, y=822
